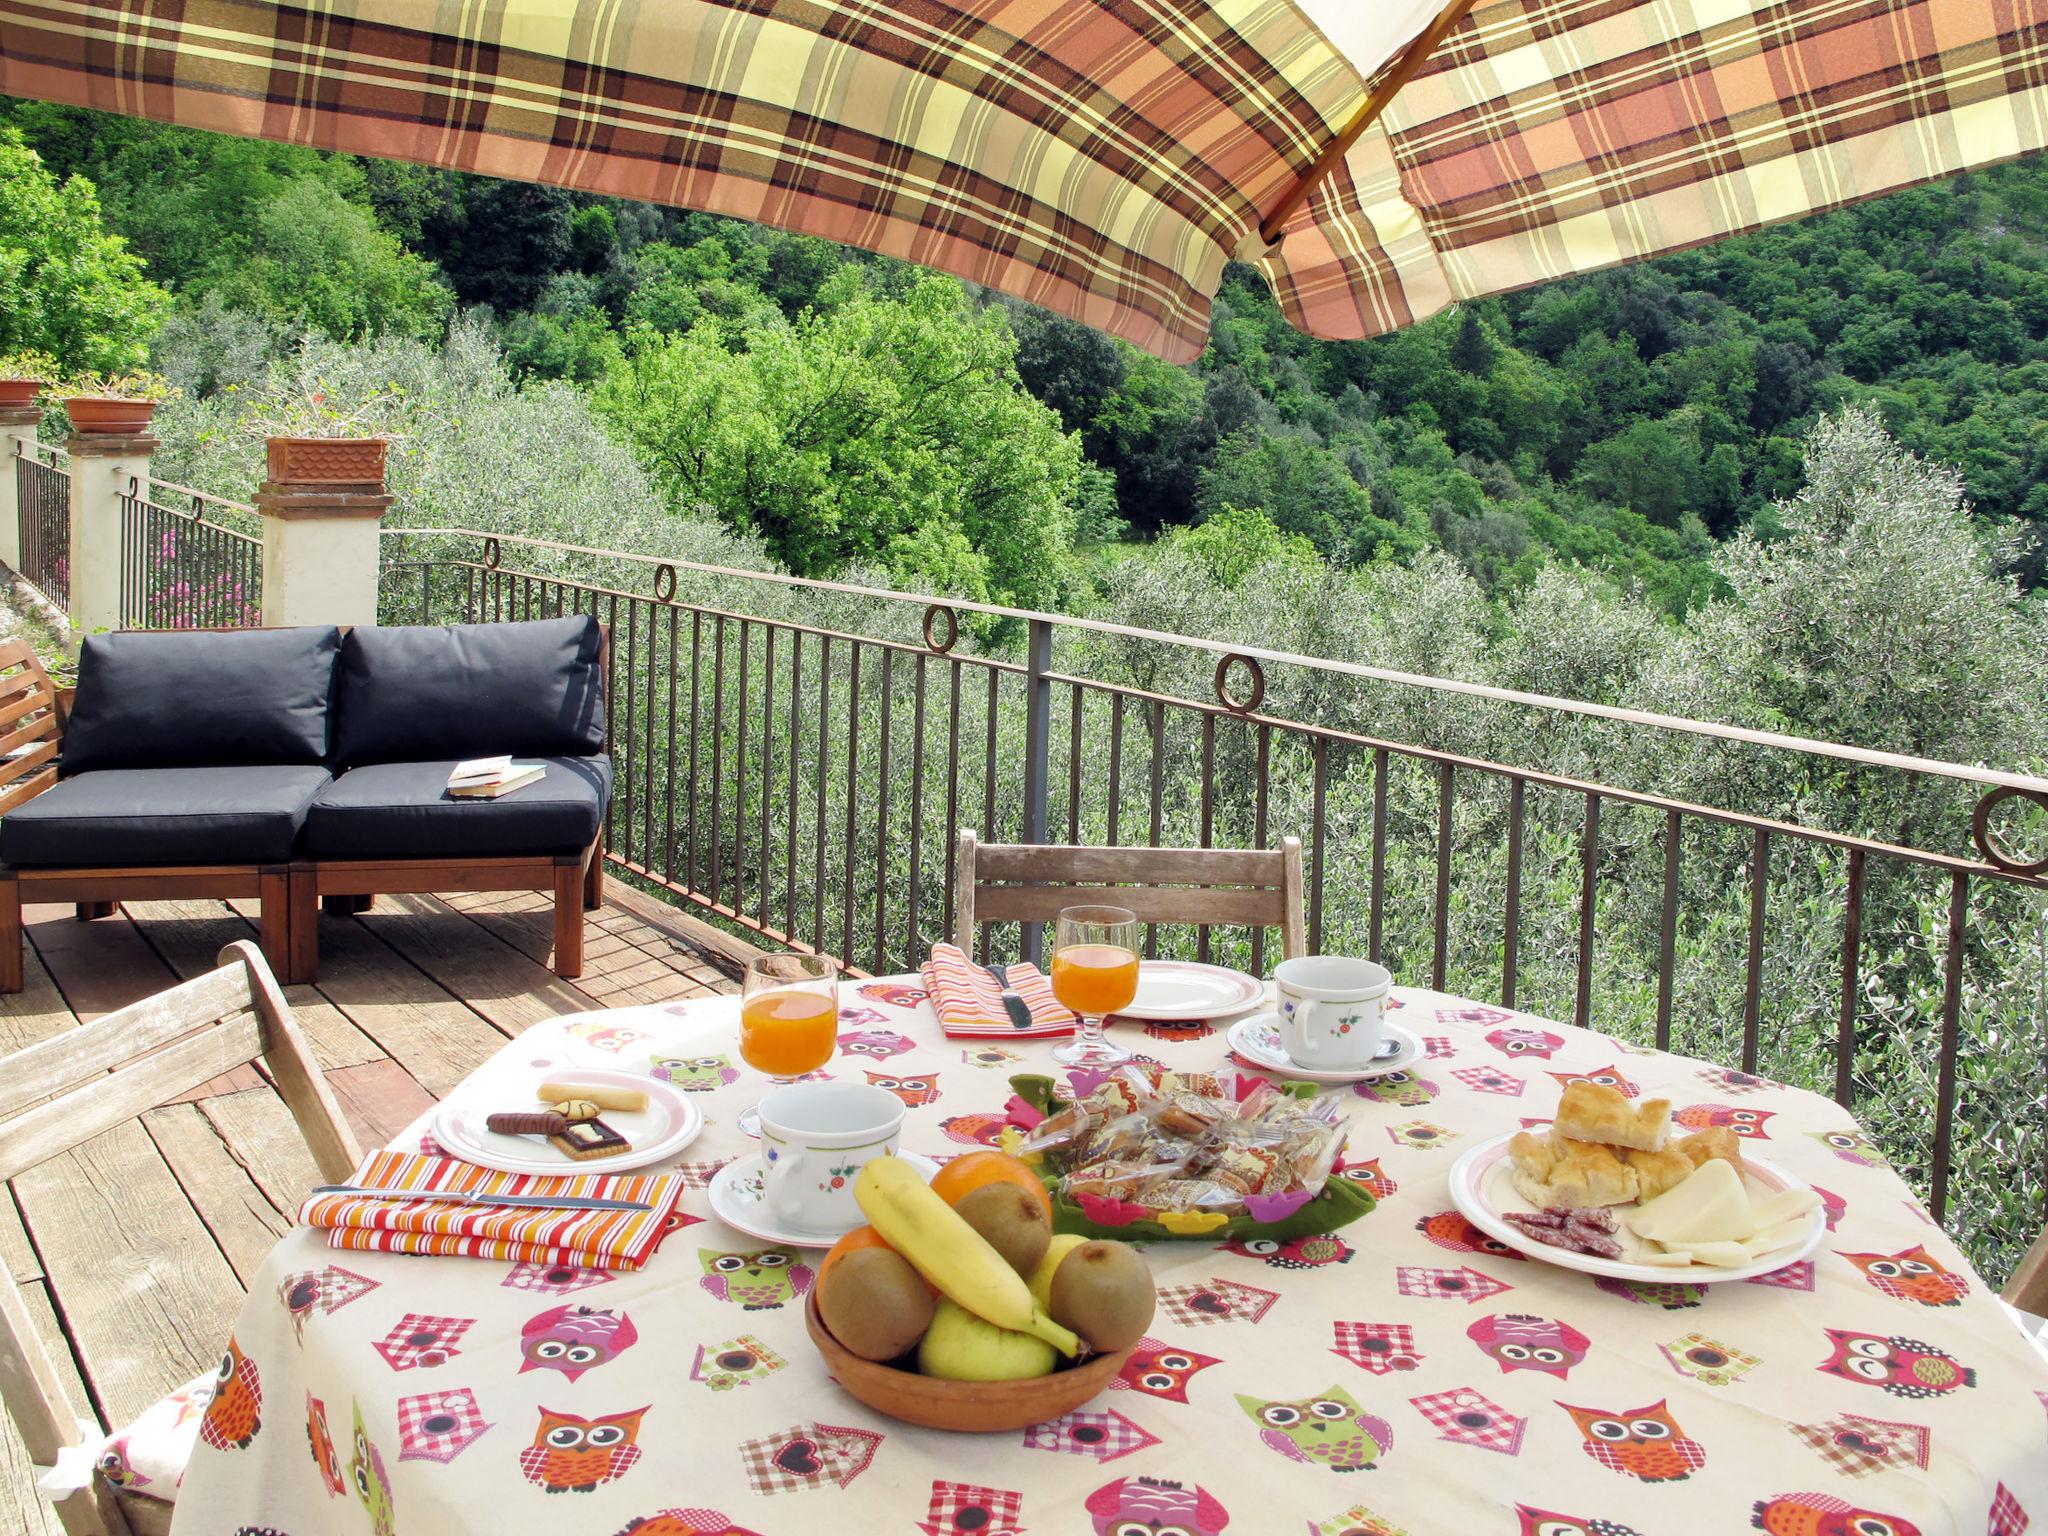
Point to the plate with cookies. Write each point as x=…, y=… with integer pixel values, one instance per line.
x=1608, y=1189
x=568, y=1120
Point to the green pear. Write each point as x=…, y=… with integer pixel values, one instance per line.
x=1063, y=1243
x=962, y=1347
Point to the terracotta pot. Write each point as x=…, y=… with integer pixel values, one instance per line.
x=16, y=393
x=326, y=460
x=109, y=416
x=970, y=1407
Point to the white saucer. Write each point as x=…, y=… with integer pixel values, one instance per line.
x=669, y=1123
x=1170, y=990
x=738, y=1201
x=1257, y=1040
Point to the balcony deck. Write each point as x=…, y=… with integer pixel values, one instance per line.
x=133, y=1251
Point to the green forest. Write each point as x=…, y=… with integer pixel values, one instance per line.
x=846, y=410
x=1792, y=481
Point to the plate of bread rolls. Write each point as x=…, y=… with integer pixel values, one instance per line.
x=1609, y=1189
x=565, y=1120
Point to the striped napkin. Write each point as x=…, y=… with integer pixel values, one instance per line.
x=614, y=1240
x=969, y=1000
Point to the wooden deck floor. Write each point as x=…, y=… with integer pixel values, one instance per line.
x=134, y=1249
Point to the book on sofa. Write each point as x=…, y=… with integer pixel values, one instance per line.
x=487, y=778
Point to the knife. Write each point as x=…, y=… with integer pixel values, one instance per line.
x=1013, y=1003
x=462, y=1197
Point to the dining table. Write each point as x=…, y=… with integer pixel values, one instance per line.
x=1446, y=1383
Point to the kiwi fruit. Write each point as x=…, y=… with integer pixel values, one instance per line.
x=1104, y=1292
x=1011, y=1221
x=875, y=1303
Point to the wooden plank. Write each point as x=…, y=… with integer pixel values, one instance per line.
x=244, y=1222
x=264, y=1140
x=436, y=1038
x=1042, y=903
x=1142, y=866
x=22, y=1509
x=190, y=936
x=66, y=1059
x=123, y=1095
x=97, y=966
x=512, y=990
x=380, y=1099
x=149, y=1310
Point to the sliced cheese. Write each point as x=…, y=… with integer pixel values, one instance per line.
x=1709, y=1207
x=1664, y=1258
x=1720, y=1255
x=1777, y=1235
x=1786, y=1205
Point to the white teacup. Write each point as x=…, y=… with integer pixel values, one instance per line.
x=814, y=1139
x=1332, y=1010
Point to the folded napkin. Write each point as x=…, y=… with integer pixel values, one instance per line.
x=969, y=1000
x=398, y=1223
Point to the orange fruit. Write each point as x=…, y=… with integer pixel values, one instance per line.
x=975, y=1169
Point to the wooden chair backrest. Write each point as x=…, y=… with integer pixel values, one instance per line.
x=32, y=710
x=58, y=1093
x=1203, y=887
x=2028, y=1287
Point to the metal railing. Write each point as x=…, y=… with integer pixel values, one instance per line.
x=42, y=485
x=189, y=566
x=796, y=758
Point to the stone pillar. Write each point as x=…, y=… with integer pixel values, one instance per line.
x=103, y=466
x=320, y=551
x=18, y=425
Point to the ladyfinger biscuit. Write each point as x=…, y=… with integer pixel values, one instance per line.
x=603, y=1095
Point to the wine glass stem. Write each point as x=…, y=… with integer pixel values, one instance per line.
x=1091, y=1028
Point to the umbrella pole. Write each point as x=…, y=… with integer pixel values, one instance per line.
x=1389, y=87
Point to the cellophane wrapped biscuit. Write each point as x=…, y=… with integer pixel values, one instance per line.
x=1188, y=1141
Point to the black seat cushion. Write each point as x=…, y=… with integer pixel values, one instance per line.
x=411, y=694
x=157, y=699
x=221, y=815
x=404, y=810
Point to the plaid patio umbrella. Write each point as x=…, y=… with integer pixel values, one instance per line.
x=1378, y=159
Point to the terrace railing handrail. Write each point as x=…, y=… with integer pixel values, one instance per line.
x=197, y=496
x=1714, y=730
x=23, y=448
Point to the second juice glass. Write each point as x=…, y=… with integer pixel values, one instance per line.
x=789, y=1018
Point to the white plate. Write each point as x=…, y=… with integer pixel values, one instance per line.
x=1257, y=1040
x=1482, y=1187
x=738, y=1201
x=1180, y=989
x=669, y=1123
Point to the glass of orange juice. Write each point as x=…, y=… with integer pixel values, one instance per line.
x=789, y=1017
x=1094, y=972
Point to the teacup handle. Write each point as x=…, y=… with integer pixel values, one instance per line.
x=785, y=1190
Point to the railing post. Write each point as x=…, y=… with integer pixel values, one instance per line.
x=1037, y=755
x=18, y=425
x=320, y=548
x=103, y=465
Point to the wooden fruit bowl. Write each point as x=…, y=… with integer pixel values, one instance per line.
x=971, y=1407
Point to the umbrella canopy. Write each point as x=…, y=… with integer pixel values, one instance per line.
x=1378, y=159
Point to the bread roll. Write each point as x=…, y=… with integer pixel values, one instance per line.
x=1595, y=1112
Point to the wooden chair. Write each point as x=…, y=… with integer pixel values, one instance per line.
x=2027, y=1290
x=1205, y=887
x=170, y=1044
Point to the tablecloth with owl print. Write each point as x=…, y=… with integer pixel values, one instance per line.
x=1403, y=1376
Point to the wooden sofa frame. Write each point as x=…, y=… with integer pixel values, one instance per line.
x=33, y=714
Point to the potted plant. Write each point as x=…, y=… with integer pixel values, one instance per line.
x=114, y=404
x=310, y=442
x=23, y=377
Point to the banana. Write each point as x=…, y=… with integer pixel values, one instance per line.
x=949, y=1253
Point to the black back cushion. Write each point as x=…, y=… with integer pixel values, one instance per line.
x=469, y=690
x=195, y=698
